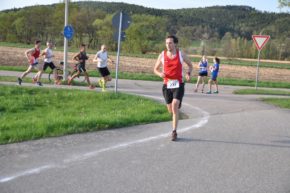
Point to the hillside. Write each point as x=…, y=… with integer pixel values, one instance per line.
x=211, y=30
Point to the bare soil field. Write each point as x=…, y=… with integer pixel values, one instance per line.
x=15, y=57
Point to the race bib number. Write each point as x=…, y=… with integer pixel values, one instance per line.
x=172, y=84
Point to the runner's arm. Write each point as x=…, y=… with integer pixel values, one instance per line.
x=76, y=57
x=110, y=60
x=189, y=64
x=43, y=53
x=157, y=67
x=28, y=53
x=97, y=58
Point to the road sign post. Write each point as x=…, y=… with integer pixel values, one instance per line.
x=118, y=52
x=260, y=41
x=65, y=70
x=120, y=21
x=257, y=70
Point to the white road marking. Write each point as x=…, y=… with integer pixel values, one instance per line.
x=26, y=173
x=85, y=156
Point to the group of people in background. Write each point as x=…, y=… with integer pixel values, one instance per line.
x=203, y=73
x=33, y=55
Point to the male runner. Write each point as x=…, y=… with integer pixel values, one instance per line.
x=32, y=56
x=171, y=60
x=48, y=62
x=102, y=59
x=81, y=57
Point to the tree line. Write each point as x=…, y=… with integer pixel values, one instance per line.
x=218, y=30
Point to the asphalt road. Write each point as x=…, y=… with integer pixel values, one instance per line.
x=229, y=143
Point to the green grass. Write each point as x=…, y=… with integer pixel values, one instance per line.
x=152, y=77
x=33, y=113
x=262, y=92
x=43, y=80
x=237, y=62
x=280, y=102
x=229, y=61
x=18, y=45
x=251, y=83
x=14, y=68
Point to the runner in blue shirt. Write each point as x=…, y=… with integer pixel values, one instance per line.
x=203, y=65
x=214, y=74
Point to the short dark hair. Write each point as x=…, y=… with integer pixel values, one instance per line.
x=83, y=45
x=217, y=60
x=37, y=42
x=175, y=39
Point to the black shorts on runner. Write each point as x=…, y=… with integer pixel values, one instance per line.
x=104, y=71
x=81, y=68
x=48, y=64
x=202, y=74
x=175, y=93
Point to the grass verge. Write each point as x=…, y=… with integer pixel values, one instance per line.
x=280, y=102
x=152, y=77
x=228, y=61
x=262, y=92
x=33, y=113
x=43, y=80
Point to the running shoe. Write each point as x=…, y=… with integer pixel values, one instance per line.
x=216, y=92
x=19, y=81
x=209, y=92
x=91, y=87
x=104, y=86
x=174, y=135
x=39, y=83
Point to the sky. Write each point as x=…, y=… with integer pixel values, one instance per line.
x=261, y=5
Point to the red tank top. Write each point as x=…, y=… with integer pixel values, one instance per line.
x=36, y=53
x=172, y=68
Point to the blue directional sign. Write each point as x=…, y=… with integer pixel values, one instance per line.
x=126, y=20
x=68, y=32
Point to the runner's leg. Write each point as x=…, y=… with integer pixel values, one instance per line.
x=29, y=69
x=87, y=77
x=38, y=75
x=216, y=85
x=169, y=107
x=209, y=85
x=73, y=77
x=175, y=113
x=203, y=83
x=197, y=83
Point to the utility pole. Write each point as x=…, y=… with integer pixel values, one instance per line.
x=65, y=70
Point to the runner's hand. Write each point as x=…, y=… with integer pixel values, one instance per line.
x=187, y=77
x=162, y=75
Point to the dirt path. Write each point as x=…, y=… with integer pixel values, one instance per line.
x=15, y=57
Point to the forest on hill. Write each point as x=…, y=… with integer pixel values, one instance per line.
x=218, y=30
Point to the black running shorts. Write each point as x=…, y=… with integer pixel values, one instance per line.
x=104, y=71
x=81, y=67
x=175, y=93
x=48, y=64
x=202, y=74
